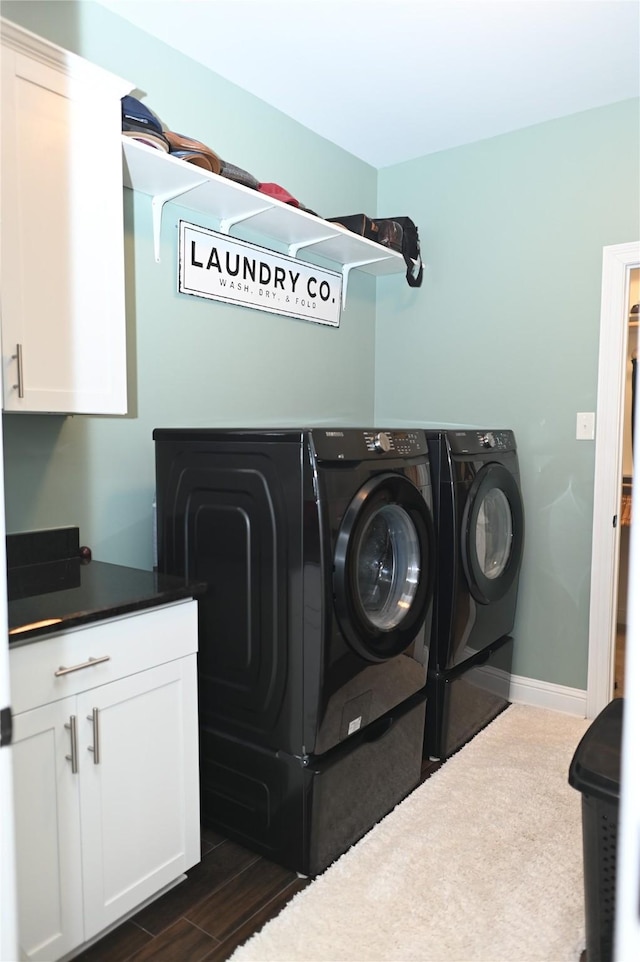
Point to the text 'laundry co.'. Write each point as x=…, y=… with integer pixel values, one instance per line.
x=223, y=268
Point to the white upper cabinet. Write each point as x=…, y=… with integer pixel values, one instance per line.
x=62, y=269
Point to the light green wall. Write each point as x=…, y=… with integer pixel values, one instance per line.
x=504, y=332
x=191, y=361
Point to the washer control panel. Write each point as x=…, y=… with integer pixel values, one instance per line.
x=488, y=440
x=382, y=441
x=404, y=443
x=352, y=444
x=477, y=442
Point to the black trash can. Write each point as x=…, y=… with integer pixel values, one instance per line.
x=595, y=771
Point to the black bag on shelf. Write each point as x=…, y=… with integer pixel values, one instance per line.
x=390, y=234
x=357, y=224
x=397, y=233
x=409, y=245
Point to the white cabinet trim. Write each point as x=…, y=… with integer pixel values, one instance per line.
x=36, y=48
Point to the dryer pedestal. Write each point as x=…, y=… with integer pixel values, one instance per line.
x=305, y=812
x=464, y=700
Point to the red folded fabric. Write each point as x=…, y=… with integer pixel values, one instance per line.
x=275, y=190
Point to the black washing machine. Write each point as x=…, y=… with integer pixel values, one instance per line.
x=480, y=532
x=318, y=549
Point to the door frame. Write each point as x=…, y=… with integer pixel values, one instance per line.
x=617, y=263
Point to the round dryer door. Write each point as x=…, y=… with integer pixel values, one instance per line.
x=492, y=533
x=383, y=571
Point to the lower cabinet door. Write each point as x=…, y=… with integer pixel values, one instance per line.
x=47, y=825
x=139, y=784
x=107, y=806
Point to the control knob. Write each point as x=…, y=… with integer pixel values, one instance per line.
x=382, y=442
x=488, y=440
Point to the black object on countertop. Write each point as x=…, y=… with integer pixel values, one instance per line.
x=42, y=560
x=595, y=771
x=47, y=594
x=42, y=546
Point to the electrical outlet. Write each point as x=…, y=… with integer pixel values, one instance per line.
x=585, y=426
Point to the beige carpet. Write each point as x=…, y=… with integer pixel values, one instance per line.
x=481, y=863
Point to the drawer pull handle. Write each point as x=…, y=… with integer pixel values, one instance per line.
x=85, y=664
x=73, y=757
x=95, y=748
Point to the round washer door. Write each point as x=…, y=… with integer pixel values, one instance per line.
x=384, y=566
x=492, y=533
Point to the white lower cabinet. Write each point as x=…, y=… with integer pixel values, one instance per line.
x=106, y=778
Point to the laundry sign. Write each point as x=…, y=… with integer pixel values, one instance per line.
x=224, y=268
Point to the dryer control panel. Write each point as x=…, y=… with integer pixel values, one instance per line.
x=354, y=444
x=476, y=442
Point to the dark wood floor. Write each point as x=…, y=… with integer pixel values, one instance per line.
x=227, y=897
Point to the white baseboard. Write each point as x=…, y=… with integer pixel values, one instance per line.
x=542, y=694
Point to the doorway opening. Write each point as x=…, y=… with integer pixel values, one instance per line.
x=626, y=505
x=619, y=262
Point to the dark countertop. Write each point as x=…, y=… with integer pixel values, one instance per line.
x=56, y=595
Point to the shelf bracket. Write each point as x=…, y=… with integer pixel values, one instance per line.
x=346, y=270
x=157, y=206
x=227, y=223
x=294, y=248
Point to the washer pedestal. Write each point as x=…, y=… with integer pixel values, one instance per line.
x=464, y=700
x=305, y=812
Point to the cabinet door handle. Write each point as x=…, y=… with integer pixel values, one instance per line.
x=85, y=664
x=18, y=357
x=94, y=717
x=73, y=757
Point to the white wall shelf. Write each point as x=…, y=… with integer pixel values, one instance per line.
x=165, y=178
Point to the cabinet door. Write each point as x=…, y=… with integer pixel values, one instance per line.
x=63, y=314
x=47, y=826
x=140, y=805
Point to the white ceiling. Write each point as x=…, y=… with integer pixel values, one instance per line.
x=394, y=80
